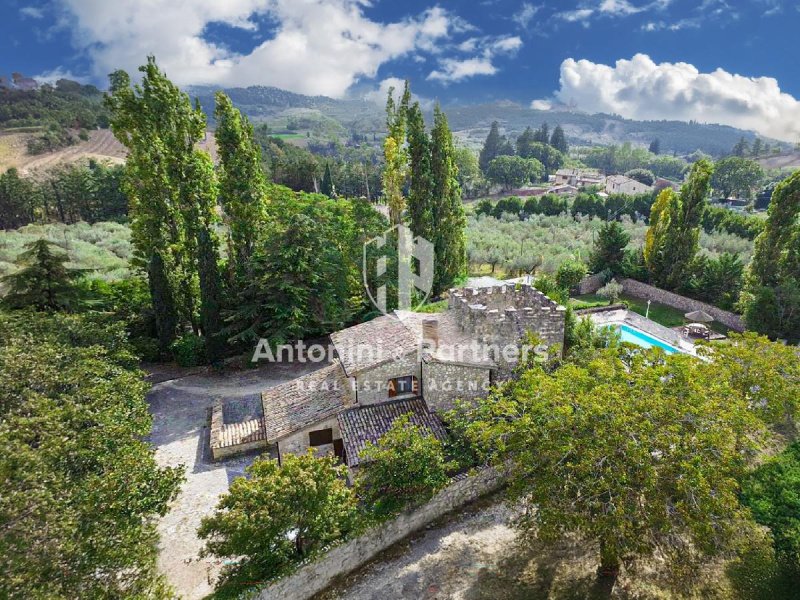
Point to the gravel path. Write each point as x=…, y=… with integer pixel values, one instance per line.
x=180, y=434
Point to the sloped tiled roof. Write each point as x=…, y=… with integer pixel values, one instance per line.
x=295, y=405
x=372, y=343
x=368, y=423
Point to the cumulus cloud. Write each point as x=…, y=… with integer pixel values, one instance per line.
x=642, y=89
x=54, y=75
x=316, y=47
x=457, y=69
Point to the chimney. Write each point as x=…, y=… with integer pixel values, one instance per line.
x=430, y=334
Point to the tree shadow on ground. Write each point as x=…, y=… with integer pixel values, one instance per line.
x=563, y=570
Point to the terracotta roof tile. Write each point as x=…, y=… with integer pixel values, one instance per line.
x=368, y=423
x=295, y=405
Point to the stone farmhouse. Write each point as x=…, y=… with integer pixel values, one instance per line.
x=578, y=178
x=403, y=363
x=619, y=184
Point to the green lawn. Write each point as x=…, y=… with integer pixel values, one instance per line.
x=664, y=315
x=660, y=313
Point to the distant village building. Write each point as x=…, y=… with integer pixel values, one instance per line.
x=578, y=178
x=563, y=190
x=620, y=184
x=404, y=363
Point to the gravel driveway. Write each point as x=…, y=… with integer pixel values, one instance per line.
x=180, y=434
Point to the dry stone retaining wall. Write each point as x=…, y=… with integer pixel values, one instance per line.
x=317, y=575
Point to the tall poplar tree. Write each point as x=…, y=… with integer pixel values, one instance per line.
x=771, y=297
x=672, y=240
x=242, y=182
x=172, y=192
x=448, y=211
x=395, y=154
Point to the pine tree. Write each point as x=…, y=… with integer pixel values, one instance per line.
x=491, y=147
x=326, y=187
x=559, y=141
x=43, y=280
x=448, y=212
x=243, y=184
x=609, y=249
x=524, y=143
x=655, y=146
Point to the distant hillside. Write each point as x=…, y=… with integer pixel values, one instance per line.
x=67, y=104
x=471, y=122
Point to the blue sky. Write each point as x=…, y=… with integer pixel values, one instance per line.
x=712, y=60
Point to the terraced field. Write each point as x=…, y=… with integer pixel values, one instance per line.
x=101, y=145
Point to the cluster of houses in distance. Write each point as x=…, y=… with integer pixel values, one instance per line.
x=568, y=182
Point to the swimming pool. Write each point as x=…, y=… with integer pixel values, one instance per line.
x=640, y=338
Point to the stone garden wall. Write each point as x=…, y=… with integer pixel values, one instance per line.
x=344, y=558
x=637, y=289
x=590, y=284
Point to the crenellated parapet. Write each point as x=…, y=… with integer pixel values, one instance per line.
x=503, y=314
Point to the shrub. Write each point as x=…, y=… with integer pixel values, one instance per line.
x=189, y=350
x=612, y=290
x=570, y=274
x=406, y=467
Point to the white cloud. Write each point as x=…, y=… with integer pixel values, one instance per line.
x=318, y=46
x=54, y=75
x=451, y=69
x=381, y=93
x=541, y=105
x=574, y=16
x=31, y=12
x=525, y=14
x=642, y=89
x=457, y=69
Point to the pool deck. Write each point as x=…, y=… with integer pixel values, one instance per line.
x=624, y=316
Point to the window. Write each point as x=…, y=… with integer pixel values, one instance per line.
x=402, y=386
x=320, y=437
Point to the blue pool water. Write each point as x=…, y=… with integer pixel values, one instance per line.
x=640, y=338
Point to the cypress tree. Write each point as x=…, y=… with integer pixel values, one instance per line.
x=559, y=141
x=542, y=134
x=211, y=296
x=395, y=154
x=491, y=147
x=327, y=182
x=420, y=201
x=448, y=211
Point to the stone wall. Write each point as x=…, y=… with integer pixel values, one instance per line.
x=637, y=289
x=298, y=442
x=444, y=383
x=314, y=577
x=372, y=385
x=502, y=315
x=590, y=284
